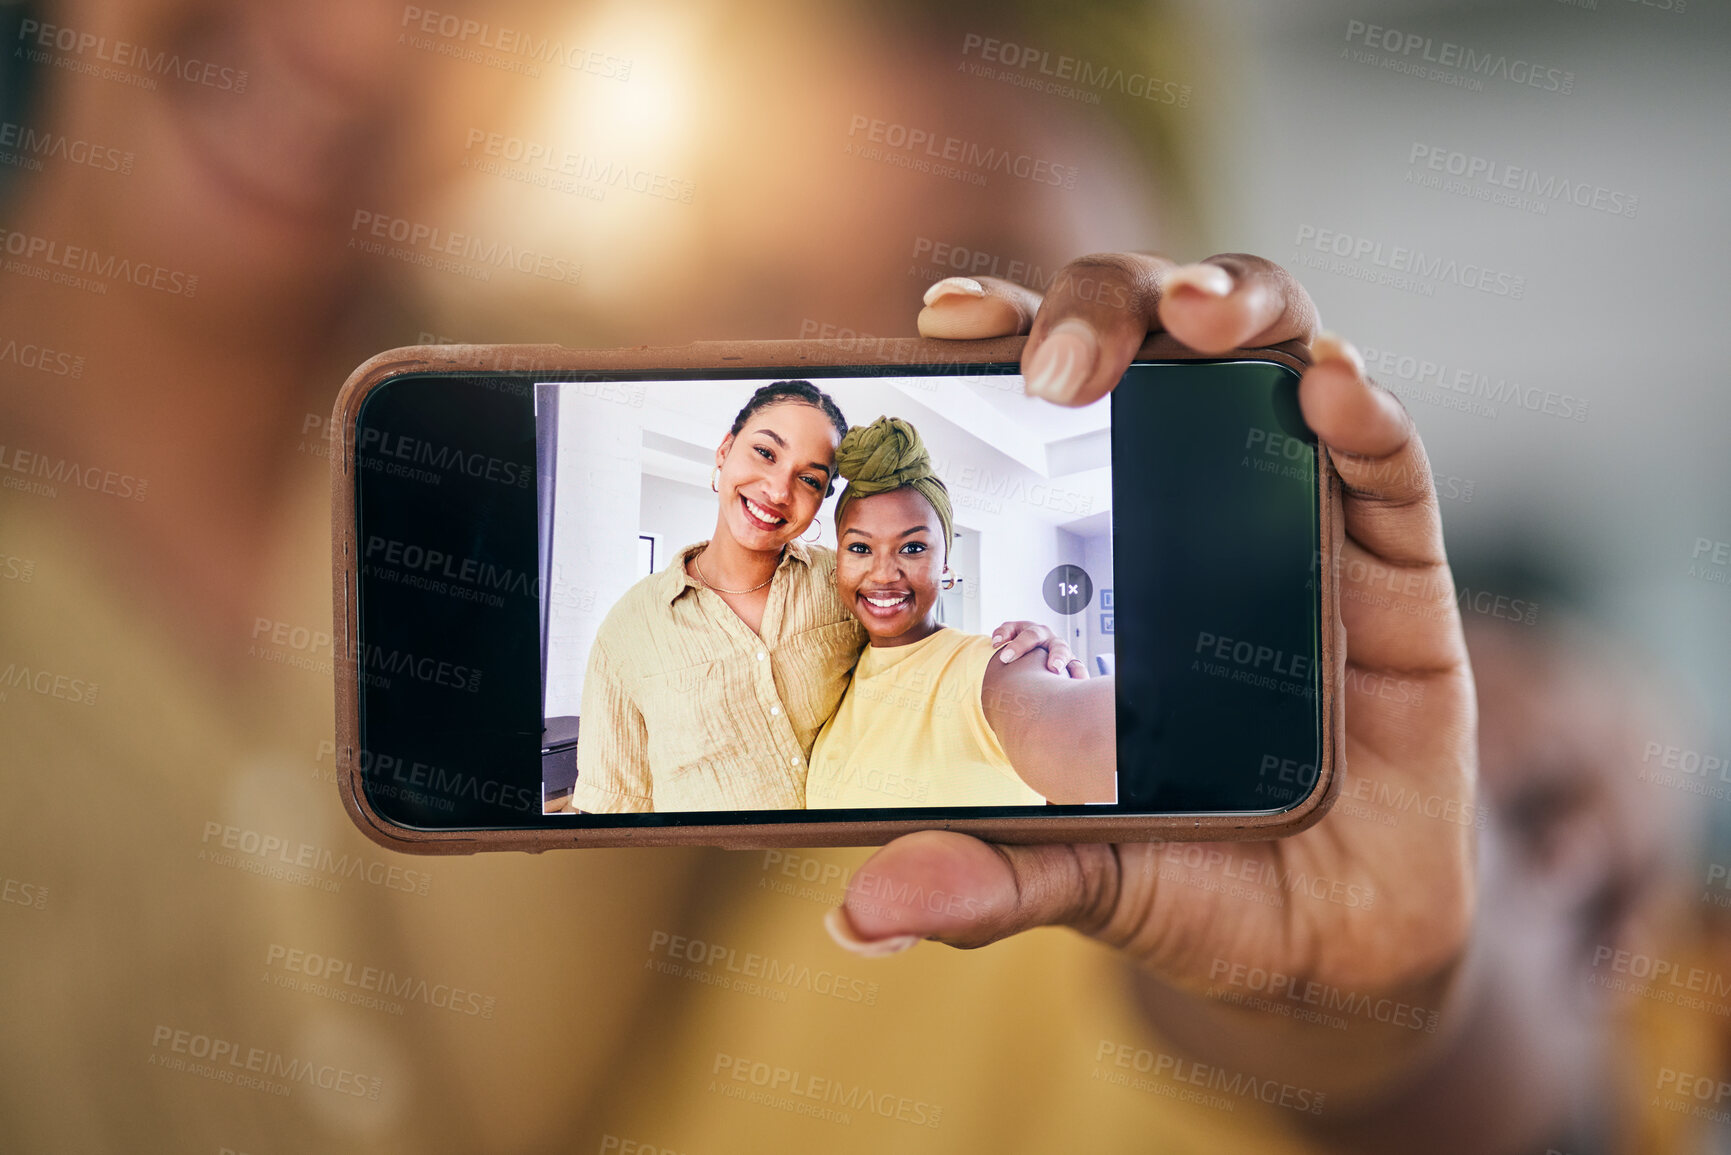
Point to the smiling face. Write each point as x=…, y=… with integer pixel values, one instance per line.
x=889, y=561
x=775, y=473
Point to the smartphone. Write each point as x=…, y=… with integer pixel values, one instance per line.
x=530, y=654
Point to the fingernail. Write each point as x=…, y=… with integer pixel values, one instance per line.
x=1210, y=280
x=1326, y=346
x=1064, y=360
x=841, y=930
x=1006, y=656
x=954, y=287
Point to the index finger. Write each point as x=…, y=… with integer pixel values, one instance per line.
x=1390, y=515
x=1086, y=330
x=1390, y=499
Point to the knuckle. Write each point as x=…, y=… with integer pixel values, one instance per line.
x=1245, y=266
x=1127, y=265
x=1095, y=885
x=1123, y=281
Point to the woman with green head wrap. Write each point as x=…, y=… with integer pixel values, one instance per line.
x=929, y=719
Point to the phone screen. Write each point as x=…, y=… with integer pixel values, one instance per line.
x=538, y=546
x=865, y=682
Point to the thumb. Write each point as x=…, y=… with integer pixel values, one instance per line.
x=958, y=890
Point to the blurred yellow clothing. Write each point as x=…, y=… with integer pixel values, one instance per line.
x=1669, y=1051
x=198, y=951
x=911, y=731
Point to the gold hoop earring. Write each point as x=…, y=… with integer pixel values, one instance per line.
x=817, y=527
x=949, y=580
x=714, y=479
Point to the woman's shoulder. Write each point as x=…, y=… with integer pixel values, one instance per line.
x=955, y=649
x=645, y=599
x=819, y=579
x=820, y=558
x=968, y=648
x=950, y=640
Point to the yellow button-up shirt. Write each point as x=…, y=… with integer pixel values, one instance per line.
x=684, y=708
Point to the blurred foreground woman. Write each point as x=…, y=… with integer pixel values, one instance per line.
x=211, y=957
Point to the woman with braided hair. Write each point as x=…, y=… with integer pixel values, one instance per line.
x=929, y=718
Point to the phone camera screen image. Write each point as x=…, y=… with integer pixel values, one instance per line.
x=710, y=598
x=752, y=608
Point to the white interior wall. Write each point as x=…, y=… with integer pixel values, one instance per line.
x=677, y=513
x=595, y=526
x=1097, y=560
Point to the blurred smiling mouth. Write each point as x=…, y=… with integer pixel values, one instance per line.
x=885, y=603
x=765, y=518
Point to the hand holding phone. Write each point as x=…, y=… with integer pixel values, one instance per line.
x=1372, y=904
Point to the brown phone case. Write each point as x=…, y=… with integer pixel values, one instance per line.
x=789, y=355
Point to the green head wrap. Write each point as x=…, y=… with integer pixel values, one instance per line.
x=888, y=455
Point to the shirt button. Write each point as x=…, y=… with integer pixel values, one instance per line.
x=794, y=760
x=761, y=655
x=775, y=711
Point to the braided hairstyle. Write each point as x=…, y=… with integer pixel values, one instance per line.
x=802, y=392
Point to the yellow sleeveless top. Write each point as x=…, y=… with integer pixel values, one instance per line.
x=910, y=731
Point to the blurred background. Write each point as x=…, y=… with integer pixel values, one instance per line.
x=211, y=210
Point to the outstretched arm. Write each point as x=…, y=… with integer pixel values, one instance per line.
x=1060, y=733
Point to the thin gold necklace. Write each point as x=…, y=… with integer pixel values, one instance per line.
x=697, y=564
